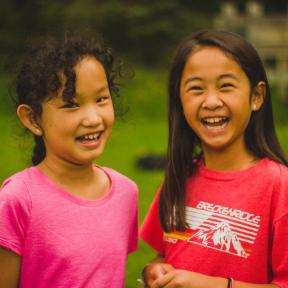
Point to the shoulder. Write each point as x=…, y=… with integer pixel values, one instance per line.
x=15, y=211
x=277, y=174
x=276, y=171
x=15, y=188
x=120, y=179
x=274, y=166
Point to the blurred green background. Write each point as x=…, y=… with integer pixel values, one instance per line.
x=144, y=34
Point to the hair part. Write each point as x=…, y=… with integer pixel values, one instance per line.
x=39, y=77
x=184, y=151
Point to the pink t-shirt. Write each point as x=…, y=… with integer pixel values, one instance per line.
x=66, y=241
x=238, y=225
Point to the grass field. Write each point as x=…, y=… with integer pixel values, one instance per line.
x=143, y=131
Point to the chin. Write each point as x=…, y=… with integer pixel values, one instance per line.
x=216, y=147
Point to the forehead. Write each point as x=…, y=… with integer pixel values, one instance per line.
x=89, y=67
x=90, y=78
x=210, y=59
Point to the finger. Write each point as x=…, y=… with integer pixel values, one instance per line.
x=163, y=281
x=163, y=269
x=154, y=285
x=154, y=272
x=167, y=268
x=157, y=272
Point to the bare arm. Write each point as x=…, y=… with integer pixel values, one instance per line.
x=188, y=279
x=158, y=274
x=10, y=264
x=249, y=285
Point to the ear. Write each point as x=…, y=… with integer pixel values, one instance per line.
x=258, y=96
x=26, y=116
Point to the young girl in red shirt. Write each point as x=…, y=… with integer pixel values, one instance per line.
x=220, y=218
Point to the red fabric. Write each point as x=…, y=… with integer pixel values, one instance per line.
x=238, y=225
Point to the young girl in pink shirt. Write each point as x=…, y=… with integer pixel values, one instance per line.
x=220, y=218
x=66, y=222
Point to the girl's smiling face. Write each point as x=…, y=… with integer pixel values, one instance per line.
x=216, y=98
x=77, y=131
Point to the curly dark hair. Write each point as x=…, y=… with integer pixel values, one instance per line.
x=38, y=76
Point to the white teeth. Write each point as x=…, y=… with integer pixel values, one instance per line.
x=218, y=122
x=216, y=126
x=91, y=136
x=214, y=120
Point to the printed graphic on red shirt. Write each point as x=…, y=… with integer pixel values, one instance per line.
x=221, y=228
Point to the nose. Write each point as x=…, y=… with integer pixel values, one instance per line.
x=91, y=117
x=212, y=100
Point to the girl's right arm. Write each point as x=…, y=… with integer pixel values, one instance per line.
x=10, y=265
x=159, y=274
x=187, y=279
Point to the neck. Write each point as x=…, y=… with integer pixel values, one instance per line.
x=66, y=173
x=229, y=160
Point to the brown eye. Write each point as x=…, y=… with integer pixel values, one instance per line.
x=196, y=88
x=102, y=99
x=227, y=85
x=70, y=104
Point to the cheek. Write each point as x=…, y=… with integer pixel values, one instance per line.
x=189, y=110
x=110, y=116
x=241, y=108
x=187, y=116
x=190, y=119
x=61, y=128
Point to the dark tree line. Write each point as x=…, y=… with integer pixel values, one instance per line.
x=145, y=30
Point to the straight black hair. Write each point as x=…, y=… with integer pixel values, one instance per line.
x=183, y=145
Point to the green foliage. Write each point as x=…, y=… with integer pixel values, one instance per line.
x=279, y=106
x=146, y=31
x=144, y=95
x=282, y=133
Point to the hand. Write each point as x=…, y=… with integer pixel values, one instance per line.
x=154, y=271
x=182, y=279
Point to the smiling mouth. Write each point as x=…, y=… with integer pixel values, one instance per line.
x=89, y=137
x=215, y=122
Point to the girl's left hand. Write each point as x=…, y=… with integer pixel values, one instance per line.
x=186, y=279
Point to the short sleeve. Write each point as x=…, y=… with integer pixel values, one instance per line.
x=280, y=253
x=15, y=207
x=151, y=231
x=280, y=231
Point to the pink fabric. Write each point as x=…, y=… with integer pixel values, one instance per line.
x=238, y=225
x=66, y=241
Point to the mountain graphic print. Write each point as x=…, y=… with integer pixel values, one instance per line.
x=221, y=228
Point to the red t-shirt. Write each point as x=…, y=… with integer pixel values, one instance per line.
x=238, y=225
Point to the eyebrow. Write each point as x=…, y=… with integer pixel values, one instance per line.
x=227, y=75
x=98, y=91
x=191, y=79
x=102, y=89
